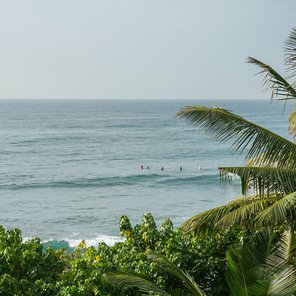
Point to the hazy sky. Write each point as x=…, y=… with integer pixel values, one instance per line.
x=139, y=48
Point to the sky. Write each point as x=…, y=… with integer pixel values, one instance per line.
x=140, y=49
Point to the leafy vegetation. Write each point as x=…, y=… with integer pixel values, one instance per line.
x=27, y=270
x=260, y=265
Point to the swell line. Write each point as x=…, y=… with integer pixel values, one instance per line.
x=84, y=182
x=131, y=180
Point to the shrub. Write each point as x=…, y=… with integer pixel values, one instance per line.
x=28, y=269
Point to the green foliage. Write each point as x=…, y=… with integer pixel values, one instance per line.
x=27, y=269
x=202, y=257
x=262, y=265
x=147, y=286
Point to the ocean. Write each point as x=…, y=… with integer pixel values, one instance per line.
x=71, y=168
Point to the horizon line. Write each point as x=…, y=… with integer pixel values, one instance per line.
x=91, y=98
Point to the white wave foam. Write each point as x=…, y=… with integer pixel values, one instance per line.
x=25, y=239
x=233, y=176
x=109, y=240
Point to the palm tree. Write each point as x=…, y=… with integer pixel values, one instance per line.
x=261, y=266
x=270, y=162
x=188, y=286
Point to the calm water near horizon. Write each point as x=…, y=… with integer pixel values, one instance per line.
x=71, y=168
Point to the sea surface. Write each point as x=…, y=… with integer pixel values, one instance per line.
x=71, y=168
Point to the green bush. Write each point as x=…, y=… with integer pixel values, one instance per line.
x=27, y=269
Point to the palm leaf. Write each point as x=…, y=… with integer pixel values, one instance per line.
x=283, y=252
x=264, y=180
x=242, y=210
x=290, y=56
x=260, y=268
x=235, y=275
x=273, y=80
x=278, y=267
x=134, y=280
x=244, y=263
x=265, y=146
x=280, y=283
x=292, y=124
x=249, y=211
x=245, y=214
x=146, y=285
x=281, y=212
x=188, y=282
x=283, y=283
x=259, y=288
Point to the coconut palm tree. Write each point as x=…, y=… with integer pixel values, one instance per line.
x=270, y=160
x=262, y=266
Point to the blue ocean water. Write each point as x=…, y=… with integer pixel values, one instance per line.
x=71, y=168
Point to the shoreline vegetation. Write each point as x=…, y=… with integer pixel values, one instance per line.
x=246, y=247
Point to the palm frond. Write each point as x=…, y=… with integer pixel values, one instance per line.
x=283, y=283
x=241, y=210
x=187, y=280
x=278, y=267
x=264, y=180
x=260, y=267
x=260, y=287
x=260, y=159
x=280, y=212
x=244, y=264
x=283, y=252
x=290, y=49
x=292, y=124
x=245, y=214
x=226, y=125
x=205, y=221
x=146, y=285
x=134, y=280
x=272, y=79
x=235, y=276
